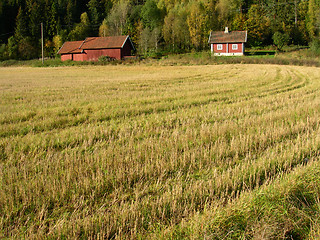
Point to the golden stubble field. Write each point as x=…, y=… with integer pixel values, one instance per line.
x=155, y=151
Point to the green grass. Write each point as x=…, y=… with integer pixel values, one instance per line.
x=292, y=55
x=152, y=151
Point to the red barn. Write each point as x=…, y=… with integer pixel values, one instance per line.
x=227, y=43
x=92, y=48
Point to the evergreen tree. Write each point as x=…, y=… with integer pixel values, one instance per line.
x=53, y=20
x=94, y=8
x=35, y=18
x=21, y=29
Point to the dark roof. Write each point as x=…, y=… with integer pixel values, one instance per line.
x=94, y=43
x=229, y=37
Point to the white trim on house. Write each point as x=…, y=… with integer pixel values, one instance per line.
x=228, y=54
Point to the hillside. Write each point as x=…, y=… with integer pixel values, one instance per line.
x=127, y=152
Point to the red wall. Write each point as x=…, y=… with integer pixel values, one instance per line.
x=94, y=54
x=79, y=57
x=227, y=47
x=74, y=57
x=65, y=57
x=224, y=48
x=239, y=50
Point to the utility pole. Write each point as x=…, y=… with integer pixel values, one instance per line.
x=42, y=43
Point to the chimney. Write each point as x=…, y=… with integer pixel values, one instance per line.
x=226, y=30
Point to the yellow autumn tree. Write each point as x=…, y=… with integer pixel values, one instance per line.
x=197, y=24
x=103, y=29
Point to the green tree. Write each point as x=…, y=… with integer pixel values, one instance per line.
x=176, y=29
x=12, y=47
x=134, y=25
x=53, y=20
x=21, y=29
x=151, y=15
x=280, y=39
x=257, y=25
x=34, y=15
x=81, y=30
x=27, y=49
x=68, y=18
x=94, y=12
x=3, y=51
x=315, y=46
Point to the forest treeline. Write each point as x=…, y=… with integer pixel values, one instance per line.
x=153, y=25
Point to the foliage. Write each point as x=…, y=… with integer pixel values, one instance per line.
x=82, y=30
x=105, y=59
x=257, y=26
x=196, y=21
x=280, y=39
x=315, y=46
x=3, y=51
x=12, y=47
x=118, y=17
x=149, y=40
x=57, y=42
x=103, y=29
x=151, y=15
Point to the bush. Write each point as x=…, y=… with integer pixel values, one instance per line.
x=280, y=39
x=315, y=47
x=105, y=59
x=2, y=52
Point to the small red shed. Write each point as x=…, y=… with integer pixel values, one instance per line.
x=227, y=43
x=92, y=48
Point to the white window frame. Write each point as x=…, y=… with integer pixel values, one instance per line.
x=219, y=47
x=234, y=46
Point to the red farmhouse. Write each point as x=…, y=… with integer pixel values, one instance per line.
x=92, y=48
x=227, y=43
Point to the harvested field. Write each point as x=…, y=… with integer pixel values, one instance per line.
x=128, y=152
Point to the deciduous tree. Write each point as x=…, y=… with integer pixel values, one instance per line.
x=197, y=22
x=118, y=17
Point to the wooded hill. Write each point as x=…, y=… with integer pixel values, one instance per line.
x=153, y=25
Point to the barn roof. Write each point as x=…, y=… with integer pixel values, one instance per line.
x=228, y=37
x=94, y=43
x=71, y=47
